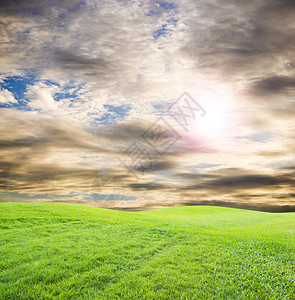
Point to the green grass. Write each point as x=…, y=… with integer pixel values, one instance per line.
x=61, y=251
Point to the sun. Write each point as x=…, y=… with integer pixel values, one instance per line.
x=214, y=124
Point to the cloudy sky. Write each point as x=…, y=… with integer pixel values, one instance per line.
x=133, y=104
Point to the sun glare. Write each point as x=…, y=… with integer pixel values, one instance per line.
x=214, y=124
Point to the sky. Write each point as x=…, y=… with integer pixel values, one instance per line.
x=136, y=105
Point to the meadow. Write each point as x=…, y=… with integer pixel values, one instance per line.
x=63, y=251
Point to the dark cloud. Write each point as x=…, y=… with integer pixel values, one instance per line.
x=273, y=85
x=19, y=6
x=162, y=165
x=38, y=140
x=288, y=168
x=131, y=132
x=148, y=186
x=250, y=196
x=53, y=138
x=245, y=182
x=35, y=8
x=77, y=62
x=196, y=177
x=253, y=41
x=23, y=142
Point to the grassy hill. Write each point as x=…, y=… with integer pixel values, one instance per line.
x=61, y=251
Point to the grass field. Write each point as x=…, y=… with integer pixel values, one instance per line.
x=62, y=251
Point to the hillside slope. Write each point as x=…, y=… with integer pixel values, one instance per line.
x=60, y=251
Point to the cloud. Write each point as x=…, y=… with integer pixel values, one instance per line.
x=6, y=97
x=147, y=186
x=255, y=44
x=248, y=182
x=41, y=97
x=73, y=62
x=88, y=60
x=273, y=85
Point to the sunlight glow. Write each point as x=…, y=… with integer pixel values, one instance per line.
x=214, y=125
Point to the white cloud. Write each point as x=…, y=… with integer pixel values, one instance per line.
x=6, y=97
x=41, y=97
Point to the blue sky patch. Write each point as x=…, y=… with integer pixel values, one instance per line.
x=162, y=31
x=115, y=114
x=17, y=85
x=162, y=5
x=260, y=137
x=166, y=5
